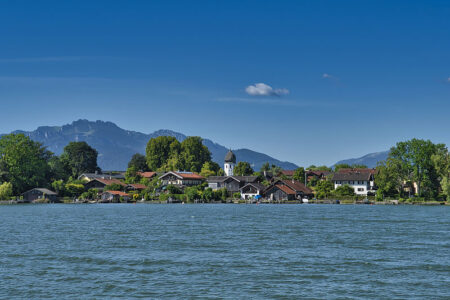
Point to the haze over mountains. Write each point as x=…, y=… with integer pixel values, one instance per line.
x=116, y=145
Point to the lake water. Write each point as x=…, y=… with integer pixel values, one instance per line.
x=224, y=251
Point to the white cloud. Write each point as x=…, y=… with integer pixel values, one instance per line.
x=328, y=76
x=448, y=80
x=262, y=89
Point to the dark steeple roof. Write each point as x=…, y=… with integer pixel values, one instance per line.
x=230, y=157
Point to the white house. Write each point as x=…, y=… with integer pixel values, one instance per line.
x=361, y=182
x=251, y=190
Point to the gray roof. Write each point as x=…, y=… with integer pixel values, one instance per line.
x=237, y=178
x=355, y=176
x=43, y=190
x=230, y=157
x=257, y=185
x=102, y=176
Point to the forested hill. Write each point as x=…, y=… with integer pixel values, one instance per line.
x=116, y=145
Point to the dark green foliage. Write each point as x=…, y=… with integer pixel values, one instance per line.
x=79, y=157
x=23, y=162
x=347, y=166
x=160, y=149
x=344, y=190
x=194, y=154
x=324, y=189
x=113, y=187
x=243, y=169
x=299, y=174
x=173, y=189
x=138, y=162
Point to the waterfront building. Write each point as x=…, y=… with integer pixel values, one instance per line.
x=99, y=183
x=38, y=194
x=233, y=184
x=362, y=182
x=251, y=190
x=181, y=178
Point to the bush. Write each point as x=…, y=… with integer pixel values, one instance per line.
x=6, y=190
x=237, y=195
x=344, y=190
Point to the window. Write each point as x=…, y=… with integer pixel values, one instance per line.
x=360, y=190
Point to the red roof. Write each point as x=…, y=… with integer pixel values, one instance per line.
x=138, y=186
x=110, y=181
x=285, y=189
x=288, y=172
x=189, y=175
x=146, y=174
x=119, y=193
x=297, y=186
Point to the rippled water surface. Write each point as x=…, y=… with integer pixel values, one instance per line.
x=224, y=251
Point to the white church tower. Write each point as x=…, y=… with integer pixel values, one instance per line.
x=230, y=162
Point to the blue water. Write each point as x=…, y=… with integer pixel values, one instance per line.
x=224, y=251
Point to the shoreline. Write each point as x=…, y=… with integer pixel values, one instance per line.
x=319, y=202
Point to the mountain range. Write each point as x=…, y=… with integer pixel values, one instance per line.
x=116, y=145
x=370, y=160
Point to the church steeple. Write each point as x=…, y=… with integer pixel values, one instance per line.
x=230, y=162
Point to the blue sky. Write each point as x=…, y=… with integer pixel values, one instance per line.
x=347, y=77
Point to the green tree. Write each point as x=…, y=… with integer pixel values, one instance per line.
x=191, y=193
x=80, y=158
x=299, y=174
x=138, y=162
x=6, y=191
x=441, y=162
x=413, y=158
x=132, y=176
x=113, y=187
x=209, y=168
x=337, y=167
x=74, y=189
x=160, y=149
x=324, y=189
x=243, y=168
x=319, y=168
x=265, y=167
x=194, y=154
x=208, y=194
x=387, y=179
x=59, y=187
x=24, y=162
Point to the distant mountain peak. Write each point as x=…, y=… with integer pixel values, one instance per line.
x=370, y=160
x=116, y=145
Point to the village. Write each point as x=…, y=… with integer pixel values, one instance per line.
x=184, y=172
x=111, y=187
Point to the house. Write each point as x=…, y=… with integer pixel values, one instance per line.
x=318, y=174
x=287, y=173
x=181, y=178
x=233, y=184
x=361, y=182
x=39, y=193
x=279, y=192
x=110, y=175
x=148, y=175
x=251, y=190
x=99, y=183
x=114, y=197
x=288, y=190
